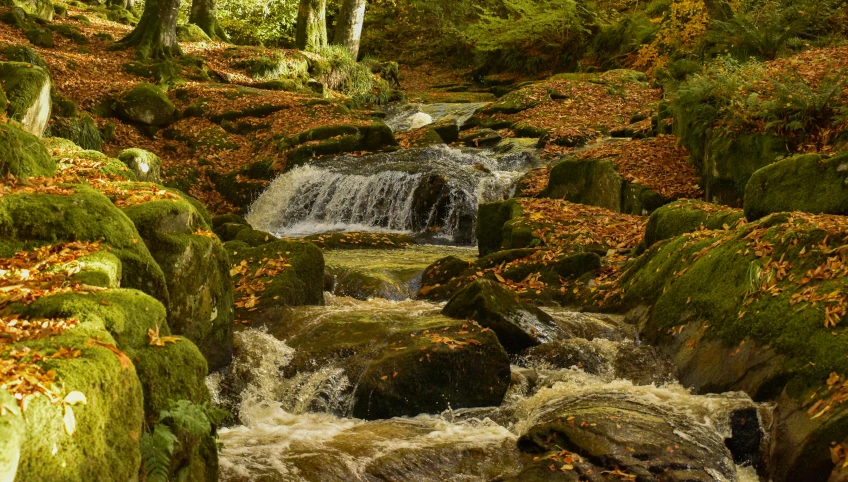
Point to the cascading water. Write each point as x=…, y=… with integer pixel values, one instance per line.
x=432, y=190
x=287, y=436
x=407, y=117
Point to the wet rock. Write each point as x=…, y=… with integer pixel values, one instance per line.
x=403, y=364
x=336, y=139
x=810, y=183
x=517, y=324
x=481, y=138
x=146, y=104
x=587, y=437
x=144, y=164
x=27, y=89
x=640, y=364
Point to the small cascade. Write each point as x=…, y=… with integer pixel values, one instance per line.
x=432, y=190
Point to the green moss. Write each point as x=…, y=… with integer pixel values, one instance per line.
x=144, y=164
x=713, y=277
x=222, y=219
x=300, y=284
x=809, y=183
x=23, y=53
x=336, y=139
x=176, y=371
x=109, y=424
x=687, y=216
x=25, y=86
x=126, y=314
x=70, y=32
x=23, y=154
x=12, y=433
x=491, y=220
x=229, y=231
x=146, y=104
x=35, y=219
x=196, y=268
x=191, y=33
x=591, y=181
x=254, y=237
x=80, y=129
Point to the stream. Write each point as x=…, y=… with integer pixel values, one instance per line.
x=297, y=415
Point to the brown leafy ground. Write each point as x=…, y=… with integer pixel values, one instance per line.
x=87, y=74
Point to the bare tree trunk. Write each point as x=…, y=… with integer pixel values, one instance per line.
x=312, y=25
x=155, y=36
x=203, y=14
x=349, y=25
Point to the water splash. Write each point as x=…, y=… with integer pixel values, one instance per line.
x=436, y=189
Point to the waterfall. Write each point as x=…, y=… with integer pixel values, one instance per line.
x=435, y=190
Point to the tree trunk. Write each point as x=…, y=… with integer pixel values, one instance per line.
x=203, y=14
x=312, y=25
x=349, y=25
x=155, y=36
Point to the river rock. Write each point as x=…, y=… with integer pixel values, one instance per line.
x=146, y=104
x=640, y=364
x=144, y=164
x=196, y=268
x=811, y=183
x=516, y=324
x=397, y=362
x=590, y=437
x=27, y=88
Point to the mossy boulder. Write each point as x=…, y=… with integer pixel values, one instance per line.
x=243, y=186
x=144, y=164
x=811, y=183
x=300, y=280
x=491, y=219
x=27, y=88
x=687, y=216
x=41, y=9
x=146, y=104
x=23, y=153
x=176, y=371
x=82, y=215
x=517, y=324
x=752, y=292
x=191, y=33
x=596, y=182
x=196, y=268
x=41, y=37
x=23, y=53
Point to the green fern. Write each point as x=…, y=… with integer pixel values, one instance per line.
x=157, y=448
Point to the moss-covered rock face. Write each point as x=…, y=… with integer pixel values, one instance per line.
x=12, y=432
x=687, y=216
x=334, y=140
x=23, y=154
x=144, y=164
x=176, y=371
x=83, y=215
x=42, y=9
x=196, y=269
x=755, y=291
x=491, y=219
x=516, y=324
x=809, y=183
x=23, y=53
x=27, y=88
x=146, y=104
x=591, y=182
